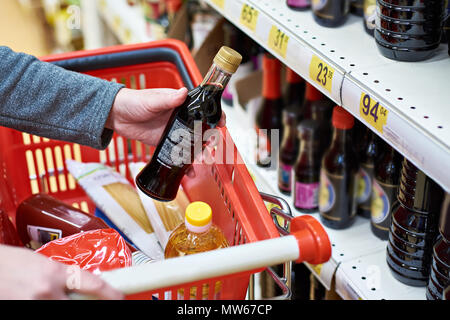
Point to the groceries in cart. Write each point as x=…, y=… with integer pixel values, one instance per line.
x=42, y=218
x=197, y=234
x=95, y=250
x=114, y=195
x=164, y=216
x=182, y=142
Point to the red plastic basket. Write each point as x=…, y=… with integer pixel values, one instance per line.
x=31, y=164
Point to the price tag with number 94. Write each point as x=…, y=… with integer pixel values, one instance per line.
x=374, y=113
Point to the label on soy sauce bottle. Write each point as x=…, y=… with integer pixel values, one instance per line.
x=176, y=150
x=337, y=197
x=284, y=177
x=327, y=193
x=383, y=195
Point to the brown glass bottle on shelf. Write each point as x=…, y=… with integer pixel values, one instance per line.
x=307, y=168
x=330, y=13
x=161, y=177
x=367, y=159
x=338, y=176
x=288, y=150
x=294, y=94
x=321, y=111
x=384, y=190
x=269, y=116
x=357, y=7
x=414, y=226
x=312, y=95
x=440, y=265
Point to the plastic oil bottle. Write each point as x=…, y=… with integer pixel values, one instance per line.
x=197, y=234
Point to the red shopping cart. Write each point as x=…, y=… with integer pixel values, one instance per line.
x=32, y=164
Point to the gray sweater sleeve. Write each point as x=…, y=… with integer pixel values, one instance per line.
x=43, y=99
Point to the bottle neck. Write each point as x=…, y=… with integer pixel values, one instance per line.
x=271, y=83
x=197, y=229
x=341, y=138
x=216, y=77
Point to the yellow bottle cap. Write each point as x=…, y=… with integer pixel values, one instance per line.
x=198, y=214
x=228, y=59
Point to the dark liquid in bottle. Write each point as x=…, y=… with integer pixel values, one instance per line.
x=288, y=151
x=440, y=266
x=384, y=191
x=307, y=168
x=331, y=13
x=338, y=177
x=269, y=117
x=413, y=226
x=161, y=177
x=411, y=31
x=367, y=159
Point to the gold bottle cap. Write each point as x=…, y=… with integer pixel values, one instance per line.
x=228, y=59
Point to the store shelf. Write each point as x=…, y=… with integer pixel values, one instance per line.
x=125, y=21
x=355, y=246
x=369, y=278
x=415, y=95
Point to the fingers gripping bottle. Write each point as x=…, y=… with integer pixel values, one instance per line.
x=161, y=177
x=197, y=234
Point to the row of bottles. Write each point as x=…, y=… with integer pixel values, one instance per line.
x=404, y=30
x=333, y=164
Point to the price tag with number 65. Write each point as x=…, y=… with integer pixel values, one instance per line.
x=249, y=17
x=373, y=112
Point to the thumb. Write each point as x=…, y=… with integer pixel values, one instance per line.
x=158, y=100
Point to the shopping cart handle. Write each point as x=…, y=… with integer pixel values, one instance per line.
x=307, y=242
x=312, y=239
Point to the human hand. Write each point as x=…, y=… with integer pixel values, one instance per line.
x=25, y=275
x=143, y=114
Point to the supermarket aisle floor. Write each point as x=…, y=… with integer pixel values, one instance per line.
x=21, y=29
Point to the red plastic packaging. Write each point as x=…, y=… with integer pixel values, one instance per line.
x=8, y=234
x=95, y=251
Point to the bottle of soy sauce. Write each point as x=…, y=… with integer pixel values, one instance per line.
x=294, y=95
x=367, y=159
x=338, y=176
x=330, y=13
x=161, y=177
x=269, y=116
x=440, y=266
x=384, y=190
x=305, y=185
x=289, y=149
x=414, y=226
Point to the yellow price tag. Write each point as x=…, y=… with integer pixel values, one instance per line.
x=278, y=41
x=375, y=114
x=321, y=73
x=219, y=3
x=317, y=268
x=249, y=16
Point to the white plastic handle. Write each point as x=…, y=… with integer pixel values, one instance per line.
x=196, y=267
